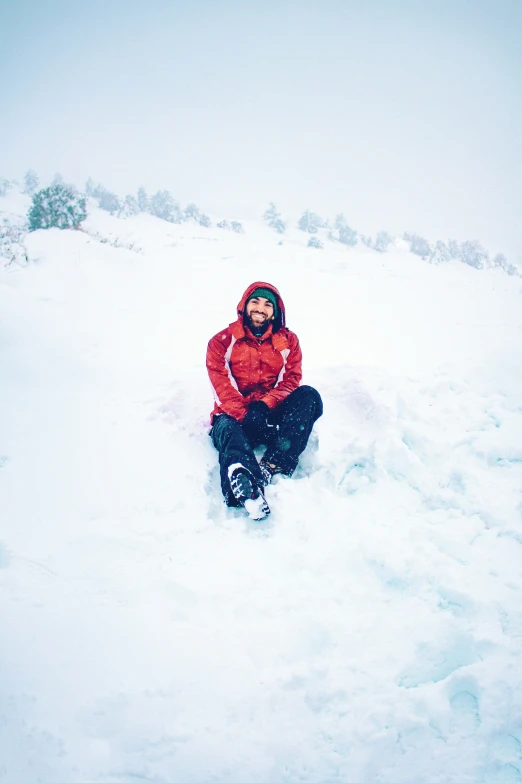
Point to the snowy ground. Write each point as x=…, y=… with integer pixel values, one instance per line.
x=371, y=630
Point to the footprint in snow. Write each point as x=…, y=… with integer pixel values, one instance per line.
x=466, y=717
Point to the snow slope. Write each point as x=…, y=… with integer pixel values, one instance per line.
x=371, y=630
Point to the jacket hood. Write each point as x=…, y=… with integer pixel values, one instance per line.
x=280, y=320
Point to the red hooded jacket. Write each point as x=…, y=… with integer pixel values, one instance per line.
x=243, y=368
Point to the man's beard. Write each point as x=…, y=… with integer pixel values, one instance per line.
x=261, y=329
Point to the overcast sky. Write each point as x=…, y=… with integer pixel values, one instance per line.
x=404, y=115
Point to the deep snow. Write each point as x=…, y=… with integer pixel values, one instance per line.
x=371, y=630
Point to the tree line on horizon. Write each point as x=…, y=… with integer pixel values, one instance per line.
x=61, y=205
x=469, y=252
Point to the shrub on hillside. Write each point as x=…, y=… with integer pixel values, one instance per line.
x=129, y=207
x=108, y=201
x=382, y=241
x=473, y=254
x=418, y=245
x=233, y=226
x=315, y=242
x=310, y=222
x=163, y=206
x=500, y=262
x=191, y=212
x=441, y=253
x=346, y=235
x=12, y=246
x=58, y=206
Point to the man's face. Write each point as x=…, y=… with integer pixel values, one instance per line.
x=259, y=310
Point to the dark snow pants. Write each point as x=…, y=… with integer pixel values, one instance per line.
x=286, y=436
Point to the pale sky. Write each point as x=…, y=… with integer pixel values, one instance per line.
x=404, y=115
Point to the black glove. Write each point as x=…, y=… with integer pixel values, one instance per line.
x=255, y=421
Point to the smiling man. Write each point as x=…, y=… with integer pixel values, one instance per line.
x=254, y=367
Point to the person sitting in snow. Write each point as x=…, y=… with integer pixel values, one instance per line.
x=254, y=367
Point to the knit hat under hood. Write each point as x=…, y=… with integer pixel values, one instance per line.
x=267, y=294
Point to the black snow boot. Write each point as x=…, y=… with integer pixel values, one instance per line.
x=247, y=492
x=268, y=471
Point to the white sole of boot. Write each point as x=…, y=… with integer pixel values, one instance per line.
x=257, y=508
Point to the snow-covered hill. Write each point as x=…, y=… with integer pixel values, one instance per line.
x=370, y=631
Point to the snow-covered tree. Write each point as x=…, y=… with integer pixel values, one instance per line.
x=129, y=207
x=500, y=262
x=473, y=254
x=223, y=224
x=90, y=187
x=346, y=235
x=57, y=179
x=454, y=249
x=165, y=207
x=418, y=245
x=310, y=222
x=274, y=219
x=98, y=190
x=441, y=253
x=367, y=241
x=191, y=212
x=109, y=201
x=4, y=186
x=315, y=242
x=58, y=206
x=382, y=241
x=143, y=200
x=30, y=182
